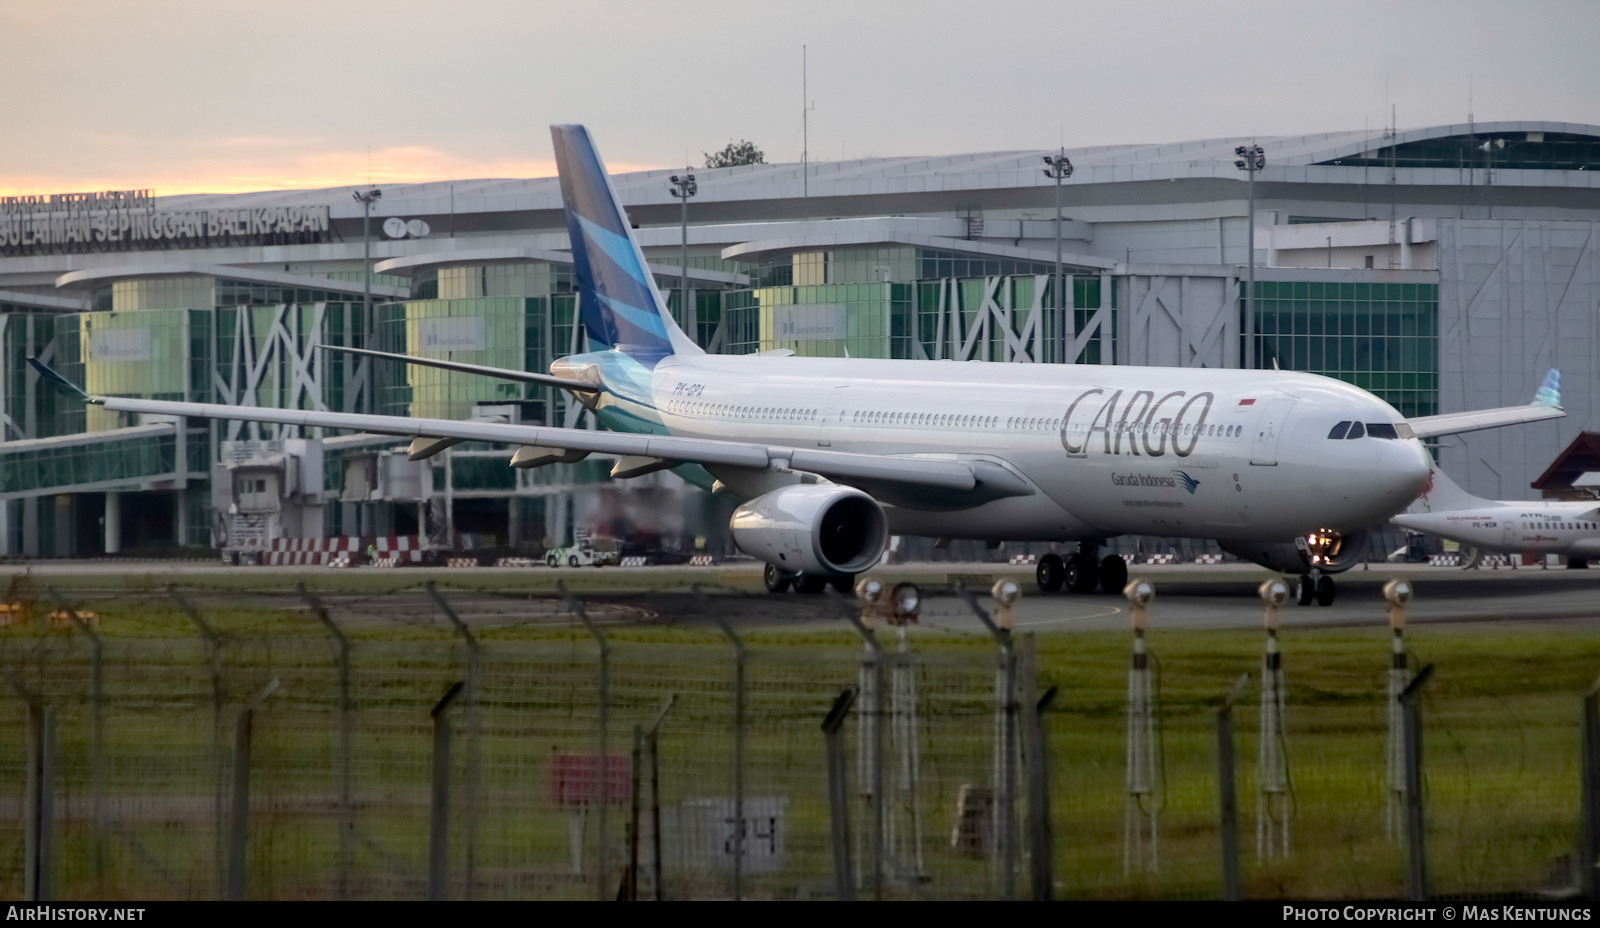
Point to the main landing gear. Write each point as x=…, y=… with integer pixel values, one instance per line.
x=1081, y=572
x=778, y=580
x=1315, y=586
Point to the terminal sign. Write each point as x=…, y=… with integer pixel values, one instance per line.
x=127, y=220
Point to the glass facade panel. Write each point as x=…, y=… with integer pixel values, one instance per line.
x=1380, y=337
x=489, y=331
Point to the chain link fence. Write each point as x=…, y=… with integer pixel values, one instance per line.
x=470, y=745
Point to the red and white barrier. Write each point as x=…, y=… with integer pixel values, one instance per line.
x=1021, y=560
x=1168, y=558
x=1208, y=559
x=700, y=560
x=401, y=549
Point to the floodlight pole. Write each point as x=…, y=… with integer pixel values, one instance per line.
x=683, y=188
x=366, y=200
x=1059, y=167
x=1251, y=160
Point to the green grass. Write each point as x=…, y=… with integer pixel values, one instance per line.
x=1501, y=721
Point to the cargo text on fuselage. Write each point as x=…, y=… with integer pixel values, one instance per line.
x=1141, y=425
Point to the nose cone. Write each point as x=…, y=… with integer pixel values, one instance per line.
x=1402, y=472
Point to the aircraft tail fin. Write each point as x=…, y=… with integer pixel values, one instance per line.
x=1444, y=495
x=617, y=296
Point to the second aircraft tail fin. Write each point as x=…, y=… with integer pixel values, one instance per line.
x=1441, y=494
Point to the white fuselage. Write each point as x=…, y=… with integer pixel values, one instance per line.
x=1544, y=527
x=1112, y=450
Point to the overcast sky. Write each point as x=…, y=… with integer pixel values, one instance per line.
x=188, y=96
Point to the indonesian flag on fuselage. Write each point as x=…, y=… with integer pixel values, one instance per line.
x=1248, y=402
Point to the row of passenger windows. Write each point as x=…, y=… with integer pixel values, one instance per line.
x=1165, y=428
x=773, y=413
x=1348, y=430
x=936, y=420
x=1559, y=526
x=886, y=417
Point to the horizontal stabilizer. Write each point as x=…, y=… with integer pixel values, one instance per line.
x=500, y=373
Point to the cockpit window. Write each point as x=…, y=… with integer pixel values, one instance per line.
x=1381, y=430
x=1340, y=429
x=1356, y=431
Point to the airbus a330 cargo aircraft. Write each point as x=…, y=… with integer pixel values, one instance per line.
x=1568, y=528
x=831, y=455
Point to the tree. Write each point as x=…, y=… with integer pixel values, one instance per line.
x=736, y=154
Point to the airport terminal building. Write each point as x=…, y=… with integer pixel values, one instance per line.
x=1443, y=268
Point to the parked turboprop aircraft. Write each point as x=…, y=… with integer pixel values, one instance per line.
x=1570, y=529
x=831, y=455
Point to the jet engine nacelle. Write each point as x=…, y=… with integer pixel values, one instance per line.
x=1328, y=552
x=812, y=528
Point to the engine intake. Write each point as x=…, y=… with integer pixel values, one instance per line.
x=812, y=528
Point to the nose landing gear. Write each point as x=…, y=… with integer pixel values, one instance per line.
x=1315, y=586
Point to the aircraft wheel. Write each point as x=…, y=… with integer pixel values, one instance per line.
x=550, y=561
x=1325, y=591
x=776, y=579
x=809, y=583
x=1083, y=574
x=1050, y=573
x=1305, y=591
x=1113, y=573
x=844, y=583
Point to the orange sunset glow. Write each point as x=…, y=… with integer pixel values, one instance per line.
x=245, y=173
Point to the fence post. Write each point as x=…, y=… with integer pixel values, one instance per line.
x=1272, y=766
x=738, y=742
x=1005, y=593
x=1228, y=799
x=602, y=737
x=238, y=833
x=1041, y=840
x=471, y=774
x=839, y=795
x=214, y=658
x=869, y=594
x=1589, y=841
x=439, y=804
x=39, y=802
x=652, y=742
x=1397, y=592
x=631, y=891
x=97, y=730
x=1416, y=837
x=347, y=814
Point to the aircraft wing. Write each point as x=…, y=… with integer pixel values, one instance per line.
x=499, y=373
x=982, y=478
x=1455, y=423
x=1546, y=405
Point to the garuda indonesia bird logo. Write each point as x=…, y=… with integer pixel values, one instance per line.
x=1189, y=483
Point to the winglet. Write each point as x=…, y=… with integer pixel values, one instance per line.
x=1550, y=391
x=60, y=383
